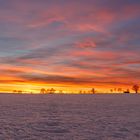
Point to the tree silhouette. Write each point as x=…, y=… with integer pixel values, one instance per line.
x=47, y=91
x=135, y=88
x=93, y=91
x=19, y=91
x=84, y=92
x=119, y=90
x=60, y=91
x=111, y=90
x=52, y=91
x=14, y=91
x=43, y=91
x=115, y=89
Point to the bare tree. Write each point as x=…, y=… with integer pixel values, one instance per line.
x=43, y=91
x=47, y=91
x=60, y=91
x=14, y=91
x=119, y=90
x=135, y=88
x=19, y=91
x=84, y=92
x=115, y=89
x=52, y=91
x=93, y=91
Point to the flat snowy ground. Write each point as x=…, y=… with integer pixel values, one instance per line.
x=69, y=117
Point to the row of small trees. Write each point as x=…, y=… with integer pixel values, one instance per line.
x=17, y=91
x=48, y=91
x=52, y=91
x=92, y=91
x=119, y=90
x=134, y=88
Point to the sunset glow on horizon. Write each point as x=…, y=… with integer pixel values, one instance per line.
x=69, y=45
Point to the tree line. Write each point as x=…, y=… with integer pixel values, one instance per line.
x=135, y=88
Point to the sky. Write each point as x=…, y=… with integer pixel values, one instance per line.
x=69, y=44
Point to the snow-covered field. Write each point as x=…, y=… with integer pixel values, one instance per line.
x=69, y=117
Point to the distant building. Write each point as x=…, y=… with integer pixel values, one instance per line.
x=127, y=91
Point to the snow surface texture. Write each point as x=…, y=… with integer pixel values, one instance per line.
x=69, y=117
